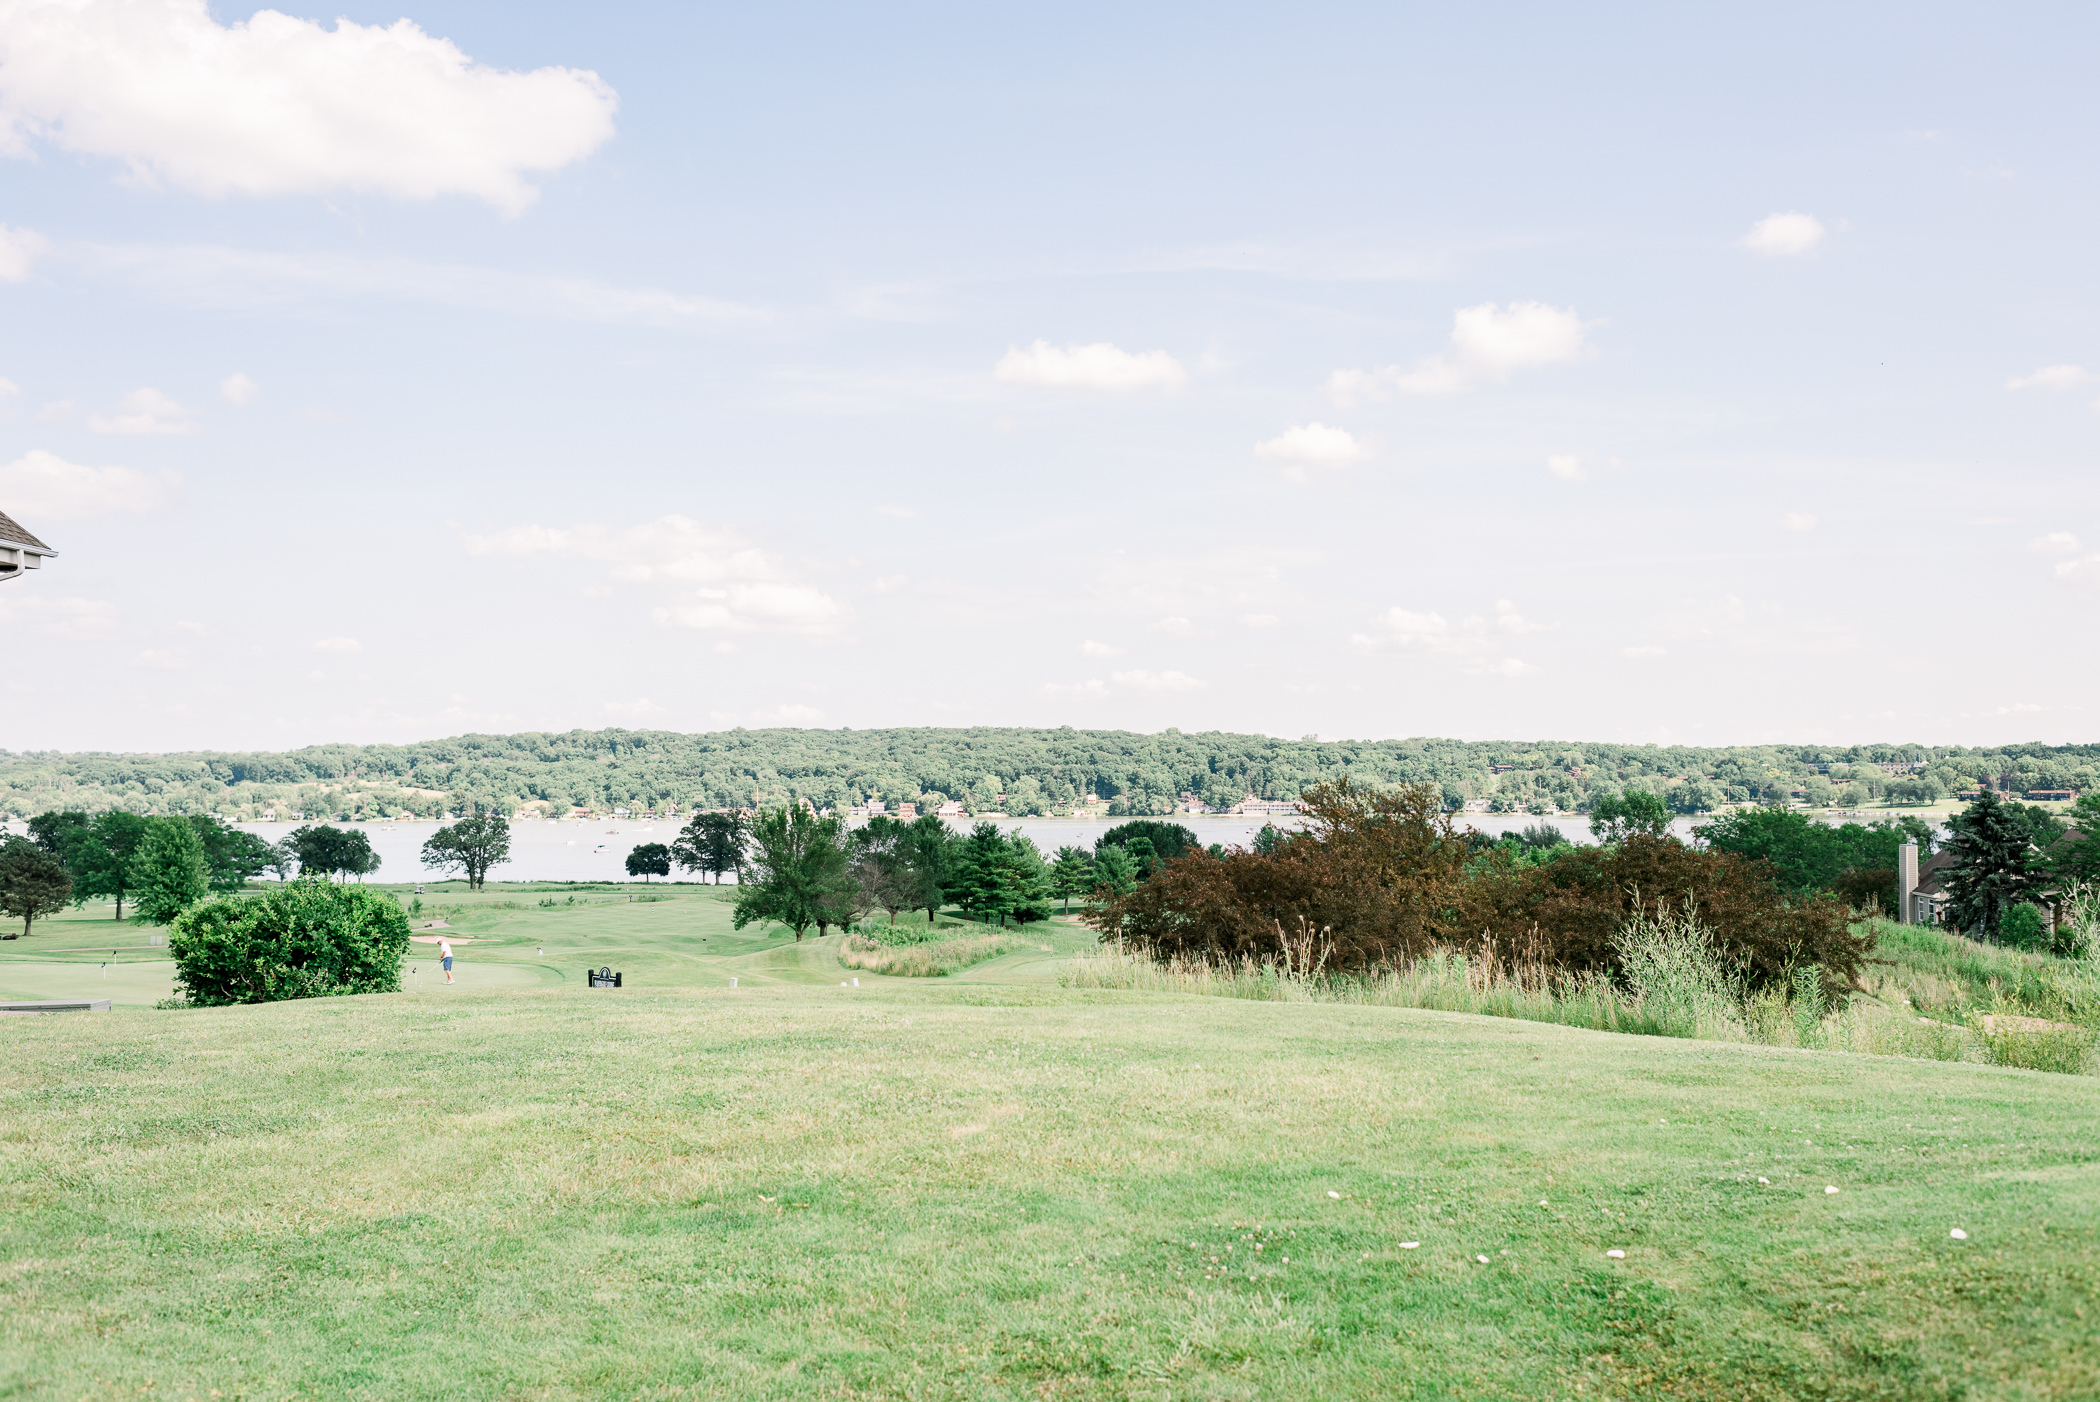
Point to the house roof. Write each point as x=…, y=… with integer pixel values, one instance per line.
x=1928, y=874
x=12, y=534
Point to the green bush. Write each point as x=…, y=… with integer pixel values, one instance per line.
x=2024, y=928
x=306, y=939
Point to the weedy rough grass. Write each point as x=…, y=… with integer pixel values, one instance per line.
x=925, y=960
x=1927, y=994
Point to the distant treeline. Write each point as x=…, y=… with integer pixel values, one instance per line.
x=987, y=769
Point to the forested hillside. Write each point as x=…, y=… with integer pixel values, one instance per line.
x=1035, y=771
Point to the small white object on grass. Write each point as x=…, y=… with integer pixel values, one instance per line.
x=1766, y=1181
x=732, y=983
x=1332, y=1193
x=856, y=982
x=1482, y=1259
x=1830, y=1190
x=1409, y=1245
x=1616, y=1254
x=1958, y=1234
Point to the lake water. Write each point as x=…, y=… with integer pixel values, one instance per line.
x=568, y=850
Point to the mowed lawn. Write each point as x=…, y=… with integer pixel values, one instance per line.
x=994, y=1187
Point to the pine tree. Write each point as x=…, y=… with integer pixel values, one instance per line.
x=1995, y=866
x=32, y=882
x=1072, y=874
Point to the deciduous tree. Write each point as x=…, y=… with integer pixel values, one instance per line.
x=649, y=859
x=1616, y=817
x=470, y=846
x=795, y=862
x=712, y=842
x=101, y=860
x=169, y=872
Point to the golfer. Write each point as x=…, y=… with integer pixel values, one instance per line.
x=445, y=954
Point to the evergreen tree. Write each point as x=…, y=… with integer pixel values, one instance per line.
x=32, y=882
x=1114, y=871
x=931, y=848
x=169, y=871
x=1072, y=874
x=1995, y=865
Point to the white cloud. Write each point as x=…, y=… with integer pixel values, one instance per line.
x=1261, y=620
x=2054, y=377
x=1510, y=621
x=1783, y=236
x=720, y=582
x=343, y=645
x=1798, y=521
x=247, y=280
x=1090, y=688
x=1090, y=648
x=1488, y=344
x=641, y=706
x=1312, y=443
x=43, y=485
x=1157, y=682
x=1472, y=640
x=1407, y=627
x=68, y=618
x=8, y=388
x=19, y=248
x=161, y=660
x=281, y=106
x=57, y=411
x=1567, y=466
x=1176, y=626
x=238, y=389
x=2085, y=571
x=1096, y=366
x=1650, y=651
x=2055, y=543
x=145, y=411
x=797, y=714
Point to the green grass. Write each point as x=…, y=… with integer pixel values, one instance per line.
x=992, y=1186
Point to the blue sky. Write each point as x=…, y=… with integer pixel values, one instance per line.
x=1710, y=375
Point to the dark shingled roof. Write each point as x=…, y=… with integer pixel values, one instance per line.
x=15, y=535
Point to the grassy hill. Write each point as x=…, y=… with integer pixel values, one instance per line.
x=992, y=1186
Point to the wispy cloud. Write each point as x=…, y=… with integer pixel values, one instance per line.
x=146, y=412
x=1309, y=264
x=713, y=580
x=248, y=279
x=44, y=485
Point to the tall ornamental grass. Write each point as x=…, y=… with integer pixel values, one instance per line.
x=927, y=960
x=1911, y=1000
